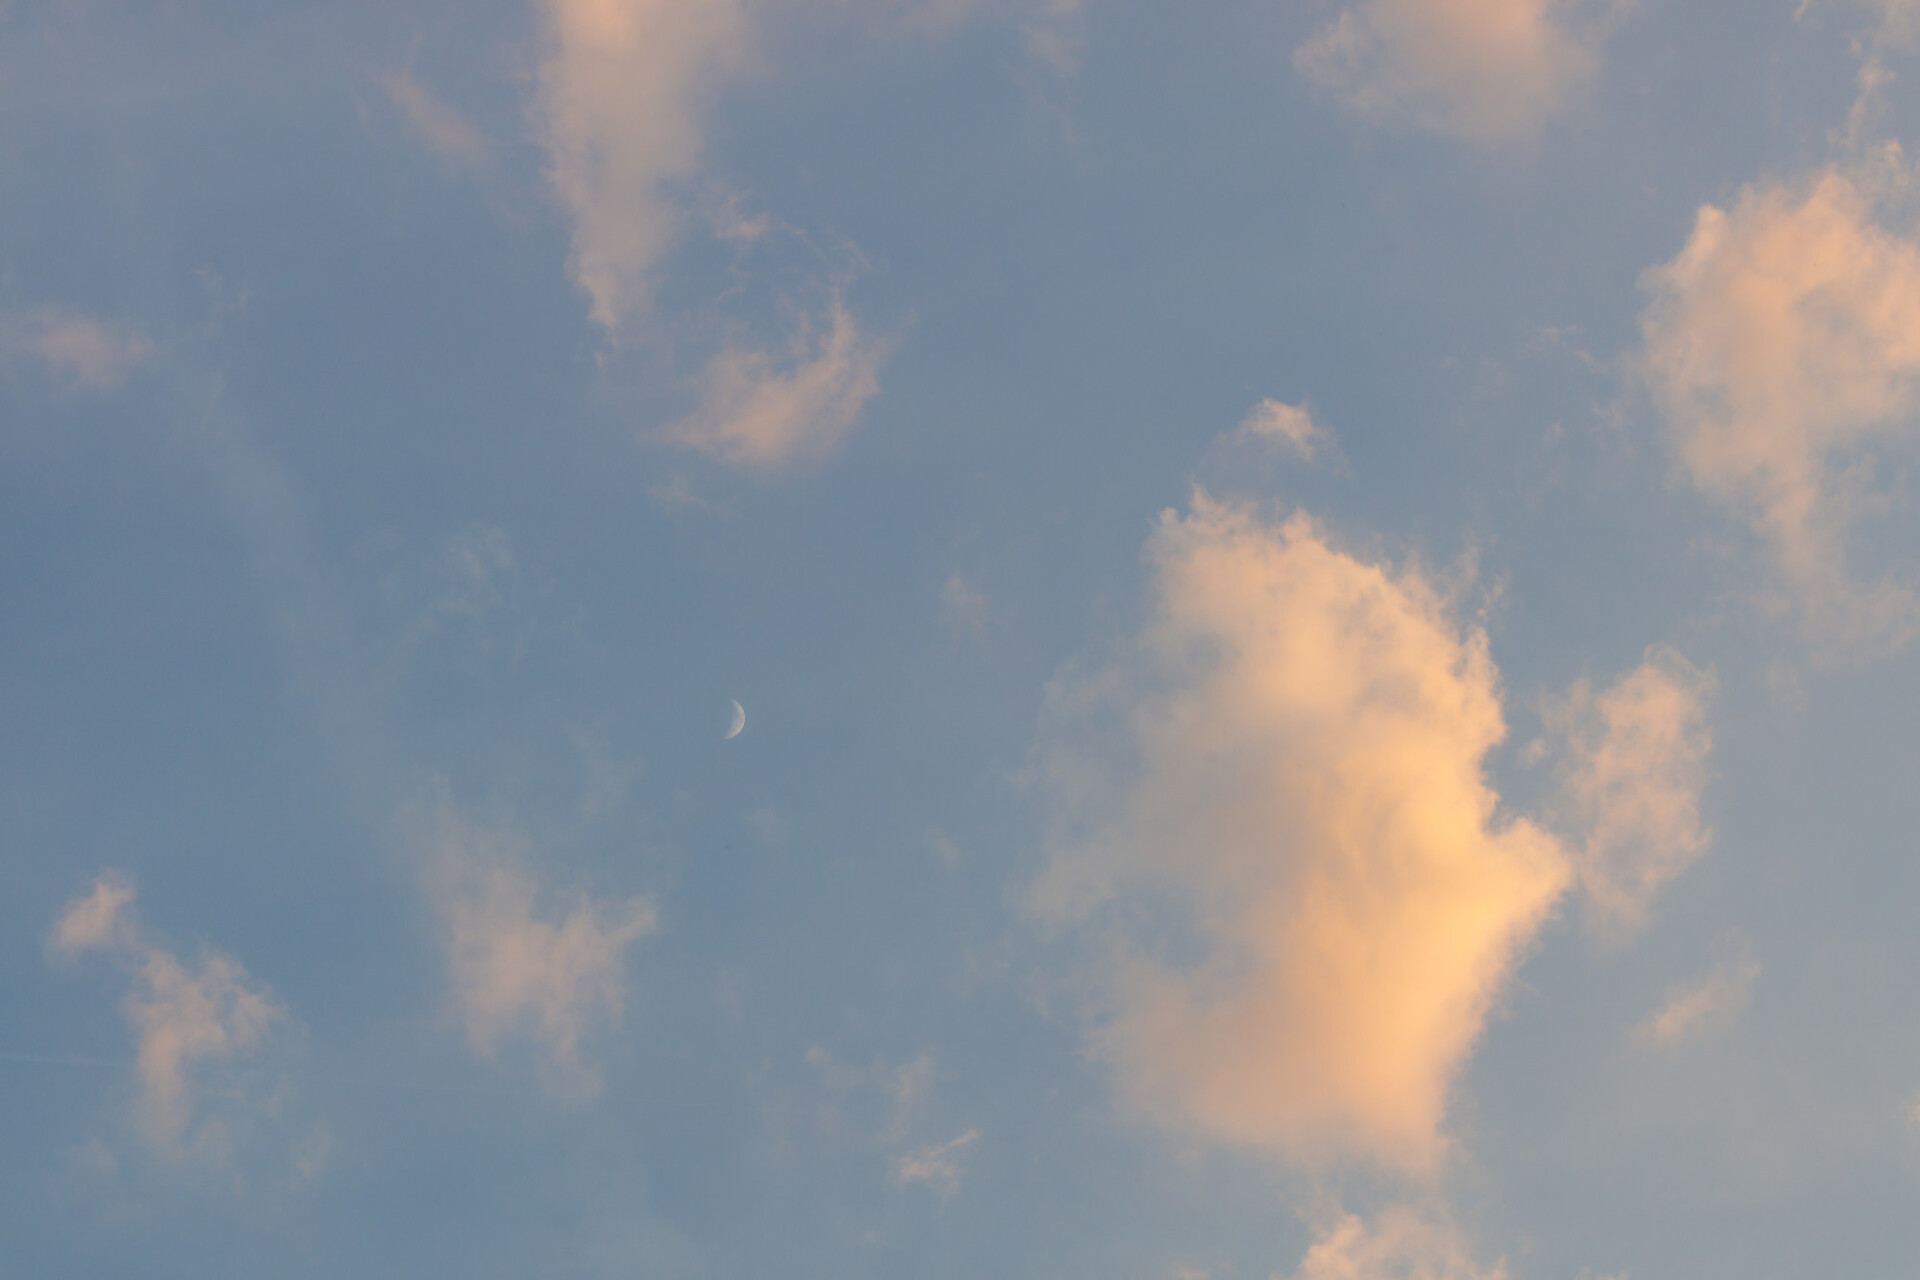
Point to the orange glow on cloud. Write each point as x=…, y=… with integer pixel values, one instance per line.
x=1308, y=733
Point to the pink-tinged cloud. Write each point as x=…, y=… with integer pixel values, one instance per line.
x=1783, y=346
x=1630, y=763
x=1489, y=70
x=1705, y=1005
x=1298, y=808
x=449, y=134
x=764, y=409
x=77, y=349
x=182, y=1015
x=1290, y=426
x=548, y=978
x=621, y=97
x=936, y=1166
x=1401, y=1243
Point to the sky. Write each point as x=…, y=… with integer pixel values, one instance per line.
x=1322, y=595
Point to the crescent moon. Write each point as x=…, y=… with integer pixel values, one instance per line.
x=739, y=722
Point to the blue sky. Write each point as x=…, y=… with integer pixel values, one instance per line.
x=1322, y=593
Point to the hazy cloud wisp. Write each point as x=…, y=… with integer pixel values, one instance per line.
x=1489, y=70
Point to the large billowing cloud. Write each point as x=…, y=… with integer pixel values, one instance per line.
x=1631, y=762
x=1303, y=820
x=1484, y=69
x=1782, y=345
x=548, y=978
x=183, y=1016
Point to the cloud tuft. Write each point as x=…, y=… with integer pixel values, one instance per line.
x=1780, y=345
x=516, y=972
x=759, y=409
x=183, y=1016
x=1630, y=766
x=1488, y=70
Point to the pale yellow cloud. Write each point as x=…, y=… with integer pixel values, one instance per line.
x=78, y=349
x=1490, y=70
x=182, y=1015
x=1705, y=1005
x=1630, y=762
x=1289, y=425
x=1401, y=1243
x=551, y=978
x=763, y=409
x=1782, y=345
x=1301, y=803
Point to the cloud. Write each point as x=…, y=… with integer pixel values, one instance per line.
x=619, y=106
x=902, y=1091
x=1298, y=812
x=1288, y=425
x=83, y=351
x=759, y=409
x=936, y=1166
x=551, y=979
x=1781, y=343
x=183, y=1016
x=445, y=130
x=963, y=604
x=1712, y=1002
x=1489, y=70
x=1401, y=1243
x=1630, y=765
x=101, y=921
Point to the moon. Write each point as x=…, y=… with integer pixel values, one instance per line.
x=739, y=722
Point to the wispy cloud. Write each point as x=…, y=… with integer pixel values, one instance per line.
x=1490, y=70
x=1285, y=768
x=1704, y=1005
x=936, y=1166
x=621, y=97
x=450, y=134
x=1782, y=344
x=184, y=1017
x=1401, y=1243
x=1291, y=426
x=761, y=409
x=1630, y=762
x=78, y=349
x=551, y=978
